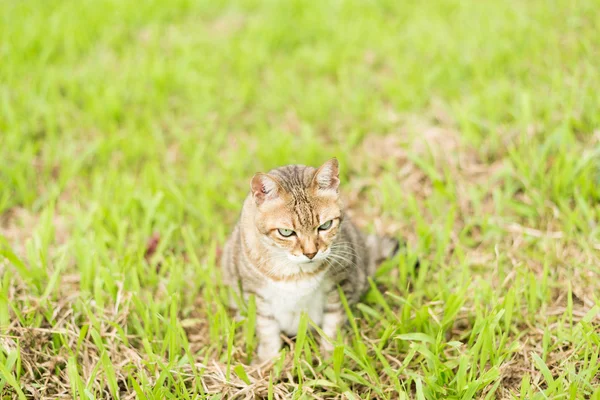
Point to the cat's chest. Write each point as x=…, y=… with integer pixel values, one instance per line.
x=291, y=295
x=289, y=299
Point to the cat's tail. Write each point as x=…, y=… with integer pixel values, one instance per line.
x=381, y=248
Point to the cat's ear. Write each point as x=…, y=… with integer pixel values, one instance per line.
x=327, y=177
x=264, y=187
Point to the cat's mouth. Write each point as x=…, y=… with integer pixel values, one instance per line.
x=319, y=258
x=309, y=262
x=309, y=266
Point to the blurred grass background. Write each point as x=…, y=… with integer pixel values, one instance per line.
x=469, y=128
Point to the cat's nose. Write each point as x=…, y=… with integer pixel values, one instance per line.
x=310, y=255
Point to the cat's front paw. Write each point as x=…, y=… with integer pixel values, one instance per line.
x=267, y=352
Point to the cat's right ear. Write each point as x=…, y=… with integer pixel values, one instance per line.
x=327, y=177
x=264, y=188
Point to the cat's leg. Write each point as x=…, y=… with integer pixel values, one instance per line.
x=269, y=335
x=334, y=316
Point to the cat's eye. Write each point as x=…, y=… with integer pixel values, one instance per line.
x=326, y=225
x=285, y=232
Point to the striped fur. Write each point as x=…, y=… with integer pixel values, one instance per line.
x=300, y=273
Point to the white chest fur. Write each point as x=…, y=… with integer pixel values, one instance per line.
x=289, y=299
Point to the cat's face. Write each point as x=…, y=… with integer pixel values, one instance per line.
x=299, y=211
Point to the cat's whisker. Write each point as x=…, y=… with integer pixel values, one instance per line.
x=345, y=253
x=338, y=267
x=342, y=257
x=275, y=266
x=352, y=245
x=275, y=262
x=344, y=250
x=343, y=244
x=273, y=257
x=342, y=262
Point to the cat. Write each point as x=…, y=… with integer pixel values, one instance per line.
x=291, y=248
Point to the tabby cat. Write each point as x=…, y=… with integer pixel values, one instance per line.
x=292, y=247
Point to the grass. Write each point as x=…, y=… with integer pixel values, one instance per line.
x=128, y=135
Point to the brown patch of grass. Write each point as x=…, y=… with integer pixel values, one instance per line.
x=16, y=226
x=45, y=371
x=399, y=153
x=19, y=224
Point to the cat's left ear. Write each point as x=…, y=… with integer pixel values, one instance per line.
x=327, y=177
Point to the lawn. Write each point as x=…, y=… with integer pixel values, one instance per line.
x=129, y=132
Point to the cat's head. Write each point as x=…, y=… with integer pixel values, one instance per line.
x=299, y=211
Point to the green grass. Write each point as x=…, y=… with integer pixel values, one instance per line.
x=469, y=128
